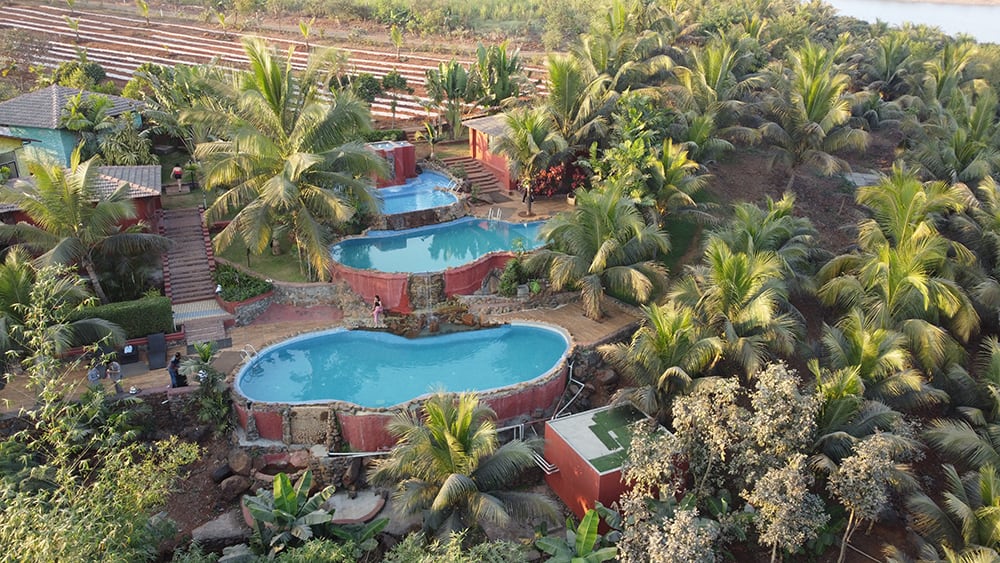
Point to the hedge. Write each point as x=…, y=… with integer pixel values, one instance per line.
x=138, y=318
x=384, y=135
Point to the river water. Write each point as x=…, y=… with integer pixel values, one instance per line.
x=981, y=22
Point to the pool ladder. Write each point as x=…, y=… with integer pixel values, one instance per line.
x=495, y=214
x=248, y=351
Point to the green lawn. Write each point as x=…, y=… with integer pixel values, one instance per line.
x=284, y=267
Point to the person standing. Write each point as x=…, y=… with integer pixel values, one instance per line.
x=114, y=371
x=377, y=310
x=174, y=369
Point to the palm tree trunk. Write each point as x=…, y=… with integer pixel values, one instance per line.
x=791, y=181
x=95, y=280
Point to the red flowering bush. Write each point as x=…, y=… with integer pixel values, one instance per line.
x=559, y=179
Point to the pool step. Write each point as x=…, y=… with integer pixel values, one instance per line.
x=474, y=171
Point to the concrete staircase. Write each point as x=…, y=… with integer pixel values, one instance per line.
x=484, y=182
x=187, y=276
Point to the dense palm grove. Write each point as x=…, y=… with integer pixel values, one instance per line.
x=812, y=395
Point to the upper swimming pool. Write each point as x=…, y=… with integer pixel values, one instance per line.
x=435, y=248
x=378, y=369
x=427, y=191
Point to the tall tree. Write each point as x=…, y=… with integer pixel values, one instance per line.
x=449, y=467
x=809, y=114
x=530, y=144
x=603, y=244
x=668, y=352
x=742, y=299
x=288, y=160
x=71, y=222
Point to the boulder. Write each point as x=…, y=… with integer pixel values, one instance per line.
x=220, y=473
x=240, y=462
x=232, y=487
x=352, y=473
x=607, y=377
x=226, y=530
x=299, y=459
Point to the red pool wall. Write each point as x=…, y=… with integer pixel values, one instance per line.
x=466, y=280
x=391, y=288
x=366, y=431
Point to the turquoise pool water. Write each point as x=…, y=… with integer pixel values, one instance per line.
x=423, y=192
x=434, y=248
x=377, y=369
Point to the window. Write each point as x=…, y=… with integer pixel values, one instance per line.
x=7, y=159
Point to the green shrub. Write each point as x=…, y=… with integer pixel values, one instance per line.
x=513, y=275
x=137, y=318
x=385, y=135
x=238, y=285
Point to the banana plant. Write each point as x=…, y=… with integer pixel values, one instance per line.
x=286, y=516
x=579, y=543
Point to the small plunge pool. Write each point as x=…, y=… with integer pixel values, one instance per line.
x=427, y=191
x=435, y=248
x=379, y=369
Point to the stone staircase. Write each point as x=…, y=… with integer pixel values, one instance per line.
x=477, y=174
x=189, y=264
x=187, y=276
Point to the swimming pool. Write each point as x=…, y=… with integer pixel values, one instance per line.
x=377, y=369
x=427, y=191
x=435, y=248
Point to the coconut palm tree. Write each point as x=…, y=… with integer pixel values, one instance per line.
x=880, y=358
x=742, y=299
x=620, y=52
x=578, y=103
x=974, y=439
x=902, y=207
x=967, y=515
x=846, y=417
x=449, y=466
x=774, y=228
x=17, y=277
x=529, y=144
x=603, y=244
x=288, y=160
x=904, y=275
x=889, y=65
x=961, y=144
x=668, y=352
x=809, y=114
x=71, y=222
x=673, y=180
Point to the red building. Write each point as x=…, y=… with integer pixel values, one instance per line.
x=585, y=453
x=482, y=132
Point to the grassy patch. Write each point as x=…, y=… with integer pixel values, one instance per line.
x=284, y=267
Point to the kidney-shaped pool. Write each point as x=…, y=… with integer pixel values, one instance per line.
x=378, y=369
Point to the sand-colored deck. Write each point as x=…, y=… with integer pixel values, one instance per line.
x=585, y=332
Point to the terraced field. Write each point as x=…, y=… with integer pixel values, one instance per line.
x=121, y=43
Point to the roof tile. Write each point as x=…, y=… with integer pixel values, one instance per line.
x=43, y=108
